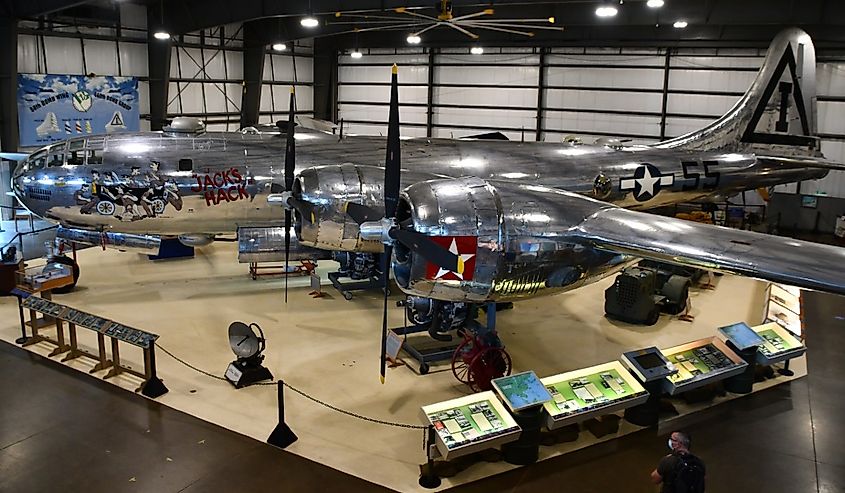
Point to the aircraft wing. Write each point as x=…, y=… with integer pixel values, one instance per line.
x=773, y=258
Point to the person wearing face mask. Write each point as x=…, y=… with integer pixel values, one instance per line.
x=680, y=471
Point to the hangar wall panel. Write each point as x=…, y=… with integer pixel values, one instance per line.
x=592, y=92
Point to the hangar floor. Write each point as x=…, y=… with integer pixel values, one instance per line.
x=326, y=348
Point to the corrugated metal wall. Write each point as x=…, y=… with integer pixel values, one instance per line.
x=591, y=92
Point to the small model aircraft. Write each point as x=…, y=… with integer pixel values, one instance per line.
x=462, y=220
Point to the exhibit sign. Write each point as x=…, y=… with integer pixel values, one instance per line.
x=53, y=107
x=582, y=394
x=521, y=390
x=469, y=424
x=700, y=363
x=648, y=364
x=780, y=344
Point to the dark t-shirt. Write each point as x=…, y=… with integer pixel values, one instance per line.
x=668, y=468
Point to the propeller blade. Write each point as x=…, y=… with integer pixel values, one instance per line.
x=427, y=248
x=361, y=213
x=290, y=168
x=290, y=145
x=287, y=249
x=393, y=160
x=304, y=208
x=385, y=273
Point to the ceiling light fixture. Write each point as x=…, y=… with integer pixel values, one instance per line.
x=356, y=54
x=476, y=50
x=309, y=22
x=413, y=39
x=161, y=35
x=655, y=4
x=280, y=47
x=606, y=10
x=680, y=24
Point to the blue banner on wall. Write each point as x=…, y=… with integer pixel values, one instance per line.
x=57, y=107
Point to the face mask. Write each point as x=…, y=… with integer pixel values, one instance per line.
x=670, y=445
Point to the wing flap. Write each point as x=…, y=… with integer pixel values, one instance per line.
x=772, y=258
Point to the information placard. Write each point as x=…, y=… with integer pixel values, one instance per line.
x=588, y=392
x=469, y=424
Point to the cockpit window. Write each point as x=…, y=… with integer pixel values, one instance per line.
x=38, y=160
x=94, y=150
x=56, y=155
x=76, y=154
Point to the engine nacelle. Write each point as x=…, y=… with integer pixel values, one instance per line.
x=329, y=189
x=515, y=240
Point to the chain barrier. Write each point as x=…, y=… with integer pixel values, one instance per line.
x=180, y=360
x=303, y=394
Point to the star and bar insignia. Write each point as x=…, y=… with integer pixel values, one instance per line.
x=646, y=182
x=465, y=247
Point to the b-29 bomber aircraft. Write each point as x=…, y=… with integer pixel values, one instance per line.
x=472, y=220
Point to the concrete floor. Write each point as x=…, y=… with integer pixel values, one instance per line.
x=191, y=302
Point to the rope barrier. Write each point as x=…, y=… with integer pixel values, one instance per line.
x=303, y=394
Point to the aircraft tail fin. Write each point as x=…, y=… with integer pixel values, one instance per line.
x=778, y=112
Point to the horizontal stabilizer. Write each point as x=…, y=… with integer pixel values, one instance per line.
x=488, y=136
x=803, y=162
x=772, y=258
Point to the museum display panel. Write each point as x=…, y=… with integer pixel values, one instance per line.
x=779, y=344
x=699, y=363
x=469, y=424
x=589, y=392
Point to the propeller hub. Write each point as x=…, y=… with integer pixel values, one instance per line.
x=378, y=230
x=280, y=199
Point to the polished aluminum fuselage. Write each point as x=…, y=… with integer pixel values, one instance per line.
x=231, y=175
x=218, y=200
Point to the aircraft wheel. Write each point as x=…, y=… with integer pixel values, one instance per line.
x=105, y=207
x=60, y=260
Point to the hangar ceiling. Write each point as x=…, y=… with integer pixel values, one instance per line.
x=711, y=22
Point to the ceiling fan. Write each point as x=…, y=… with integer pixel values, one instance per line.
x=445, y=17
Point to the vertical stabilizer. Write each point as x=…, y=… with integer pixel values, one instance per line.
x=777, y=114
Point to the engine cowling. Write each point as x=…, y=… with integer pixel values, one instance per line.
x=329, y=189
x=516, y=240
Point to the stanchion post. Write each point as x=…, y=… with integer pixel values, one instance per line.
x=428, y=478
x=282, y=435
x=23, y=338
x=153, y=386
